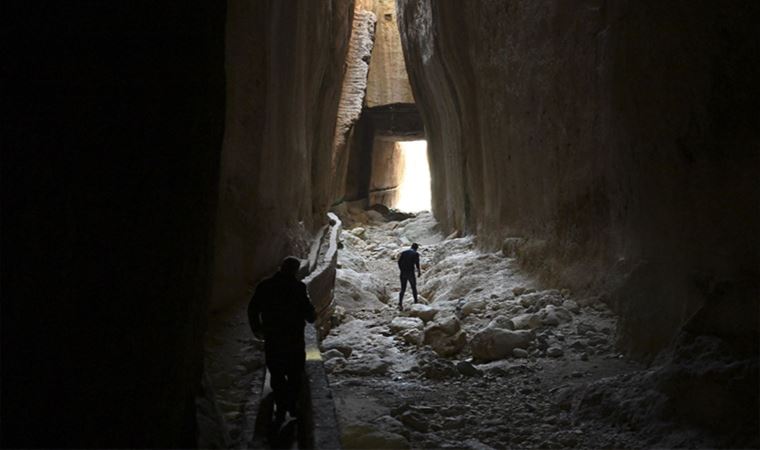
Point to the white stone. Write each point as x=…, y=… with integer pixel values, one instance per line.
x=424, y=312
x=473, y=307
x=399, y=324
x=496, y=343
x=359, y=232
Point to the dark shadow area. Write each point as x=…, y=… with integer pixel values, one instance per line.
x=109, y=179
x=291, y=433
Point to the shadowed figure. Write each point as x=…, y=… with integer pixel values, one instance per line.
x=407, y=262
x=278, y=311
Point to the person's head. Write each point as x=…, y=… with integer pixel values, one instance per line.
x=290, y=266
x=415, y=246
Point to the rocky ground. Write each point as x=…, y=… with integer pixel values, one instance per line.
x=486, y=359
x=233, y=380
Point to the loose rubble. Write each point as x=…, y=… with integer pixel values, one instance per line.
x=486, y=359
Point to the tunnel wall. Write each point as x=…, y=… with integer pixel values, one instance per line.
x=617, y=140
x=110, y=172
x=285, y=62
x=387, y=172
x=388, y=82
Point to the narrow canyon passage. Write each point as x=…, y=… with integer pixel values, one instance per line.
x=484, y=359
x=593, y=193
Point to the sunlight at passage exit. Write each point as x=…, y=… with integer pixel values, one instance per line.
x=414, y=191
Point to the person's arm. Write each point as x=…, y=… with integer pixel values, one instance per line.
x=309, y=314
x=417, y=263
x=254, y=314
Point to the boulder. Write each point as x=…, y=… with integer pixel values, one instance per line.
x=493, y=343
x=554, y=316
x=359, y=290
x=444, y=336
x=444, y=344
x=526, y=321
x=502, y=322
x=554, y=352
x=335, y=364
x=413, y=336
x=424, y=312
x=401, y=324
x=473, y=307
x=447, y=324
x=332, y=353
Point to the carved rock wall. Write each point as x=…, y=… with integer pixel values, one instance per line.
x=619, y=138
x=352, y=98
x=388, y=82
x=387, y=172
x=285, y=67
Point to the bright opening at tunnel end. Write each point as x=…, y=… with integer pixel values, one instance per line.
x=414, y=191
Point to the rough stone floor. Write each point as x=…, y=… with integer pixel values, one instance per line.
x=488, y=359
x=234, y=365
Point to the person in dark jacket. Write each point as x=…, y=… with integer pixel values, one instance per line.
x=407, y=262
x=278, y=311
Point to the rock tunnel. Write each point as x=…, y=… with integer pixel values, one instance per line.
x=159, y=161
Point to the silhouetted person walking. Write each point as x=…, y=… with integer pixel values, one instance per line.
x=407, y=261
x=278, y=310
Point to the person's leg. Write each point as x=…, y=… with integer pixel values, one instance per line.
x=295, y=380
x=278, y=383
x=403, y=289
x=413, y=284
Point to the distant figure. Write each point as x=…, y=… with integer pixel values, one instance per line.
x=407, y=261
x=278, y=310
